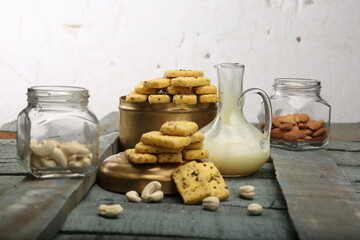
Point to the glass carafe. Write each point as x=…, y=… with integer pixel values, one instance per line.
x=235, y=146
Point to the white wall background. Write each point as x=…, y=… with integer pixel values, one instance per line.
x=108, y=46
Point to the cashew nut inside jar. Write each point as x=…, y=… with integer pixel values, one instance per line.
x=58, y=136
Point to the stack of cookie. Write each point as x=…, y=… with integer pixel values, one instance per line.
x=177, y=86
x=176, y=141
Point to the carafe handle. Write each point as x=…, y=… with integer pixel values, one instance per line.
x=267, y=104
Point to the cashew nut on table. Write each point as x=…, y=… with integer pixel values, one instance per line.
x=110, y=211
x=152, y=192
x=211, y=203
x=247, y=191
x=52, y=154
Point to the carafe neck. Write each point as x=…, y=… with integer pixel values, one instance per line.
x=230, y=81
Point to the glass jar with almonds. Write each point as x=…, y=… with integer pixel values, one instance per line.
x=301, y=117
x=58, y=136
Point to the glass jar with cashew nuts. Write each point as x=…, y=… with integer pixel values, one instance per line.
x=301, y=117
x=58, y=136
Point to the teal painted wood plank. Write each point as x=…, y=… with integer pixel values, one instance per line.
x=343, y=146
x=179, y=220
x=321, y=202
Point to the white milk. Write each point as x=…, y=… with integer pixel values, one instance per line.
x=236, y=160
x=237, y=151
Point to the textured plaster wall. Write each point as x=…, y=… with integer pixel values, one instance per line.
x=108, y=46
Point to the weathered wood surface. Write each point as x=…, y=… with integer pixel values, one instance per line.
x=170, y=219
x=321, y=190
x=37, y=208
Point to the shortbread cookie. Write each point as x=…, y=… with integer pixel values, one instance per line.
x=195, y=154
x=185, y=99
x=194, y=146
x=159, y=98
x=218, y=187
x=209, y=98
x=206, y=90
x=169, y=157
x=197, y=137
x=138, y=158
x=156, y=138
x=190, y=81
x=183, y=73
x=177, y=90
x=144, y=148
x=157, y=83
x=191, y=183
x=140, y=89
x=135, y=97
x=179, y=128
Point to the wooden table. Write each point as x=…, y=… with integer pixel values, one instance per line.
x=306, y=195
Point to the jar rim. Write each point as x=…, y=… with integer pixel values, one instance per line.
x=298, y=83
x=57, y=94
x=57, y=88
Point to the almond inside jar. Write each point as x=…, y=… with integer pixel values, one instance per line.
x=298, y=128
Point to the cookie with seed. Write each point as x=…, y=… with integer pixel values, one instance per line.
x=159, y=98
x=218, y=187
x=190, y=81
x=195, y=154
x=156, y=138
x=135, y=97
x=183, y=73
x=209, y=98
x=140, y=158
x=177, y=90
x=144, y=148
x=169, y=157
x=206, y=90
x=157, y=83
x=191, y=183
x=185, y=99
x=197, y=137
x=179, y=128
x=141, y=89
x=194, y=146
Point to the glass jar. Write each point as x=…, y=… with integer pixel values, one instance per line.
x=301, y=117
x=57, y=134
